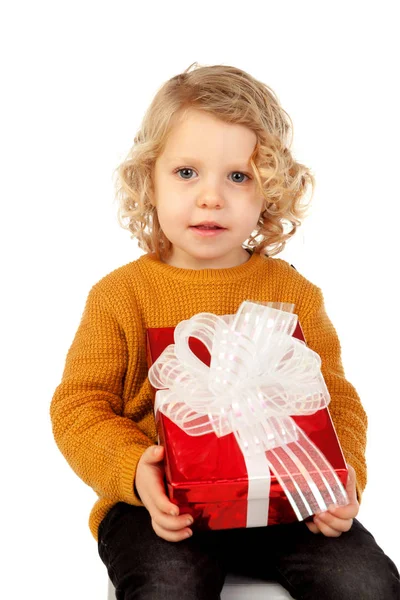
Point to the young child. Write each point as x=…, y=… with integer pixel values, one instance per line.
x=209, y=190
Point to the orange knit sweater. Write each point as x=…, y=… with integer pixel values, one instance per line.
x=102, y=411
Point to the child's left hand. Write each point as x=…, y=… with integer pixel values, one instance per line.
x=338, y=519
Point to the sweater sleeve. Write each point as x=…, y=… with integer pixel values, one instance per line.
x=347, y=412
x=102, y=446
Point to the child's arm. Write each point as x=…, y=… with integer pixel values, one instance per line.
x=101, y=445
x=347, y=412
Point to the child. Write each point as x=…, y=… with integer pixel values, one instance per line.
x=209, y=190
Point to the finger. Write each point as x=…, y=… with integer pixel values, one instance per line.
x=350, y=511
x=161, y=502
x=312, y=527
x=335, y=523
x=171, y=536
x=172, y=523
x=325, y=529
x=153, y=455
x=156, y=498
x=351, y=485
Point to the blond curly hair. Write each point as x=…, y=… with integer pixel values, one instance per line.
x=233, y=96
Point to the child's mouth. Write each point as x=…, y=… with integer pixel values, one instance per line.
x=207, y=230
x=207, y=227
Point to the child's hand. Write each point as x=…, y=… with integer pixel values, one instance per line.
x=338, y=519
x=149, y=483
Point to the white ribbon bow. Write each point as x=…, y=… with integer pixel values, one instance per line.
x=258, y=377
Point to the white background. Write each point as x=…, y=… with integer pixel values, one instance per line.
x=76, y=80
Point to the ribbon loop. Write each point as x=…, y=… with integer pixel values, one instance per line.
x=257, y=371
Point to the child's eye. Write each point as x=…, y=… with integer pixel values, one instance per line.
x=188, y=171
x=240, y=175
x=184, y=169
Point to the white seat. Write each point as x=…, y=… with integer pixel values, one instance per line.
x=241, y=588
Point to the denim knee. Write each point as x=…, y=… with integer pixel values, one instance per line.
x=176, y=583
x=143, y=566
x=374, y=581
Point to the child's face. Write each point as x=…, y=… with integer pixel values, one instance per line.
x=202, y=175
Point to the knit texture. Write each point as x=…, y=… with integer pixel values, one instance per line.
x=102, y=411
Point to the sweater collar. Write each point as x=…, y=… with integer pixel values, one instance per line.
x=224, y=275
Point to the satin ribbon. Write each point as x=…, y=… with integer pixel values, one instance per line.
x=259, y=376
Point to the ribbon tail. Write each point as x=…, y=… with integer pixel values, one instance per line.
x=332, y=488
x=280, y=468
x=306, y=477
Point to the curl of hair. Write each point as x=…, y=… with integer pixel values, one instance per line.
x=233, y=96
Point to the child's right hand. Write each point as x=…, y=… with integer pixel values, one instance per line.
x=149, y=481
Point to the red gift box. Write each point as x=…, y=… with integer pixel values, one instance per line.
x=206, y=475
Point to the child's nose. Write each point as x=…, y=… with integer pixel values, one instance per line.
x=211, y=199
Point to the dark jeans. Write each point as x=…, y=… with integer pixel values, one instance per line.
x=143, y=566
